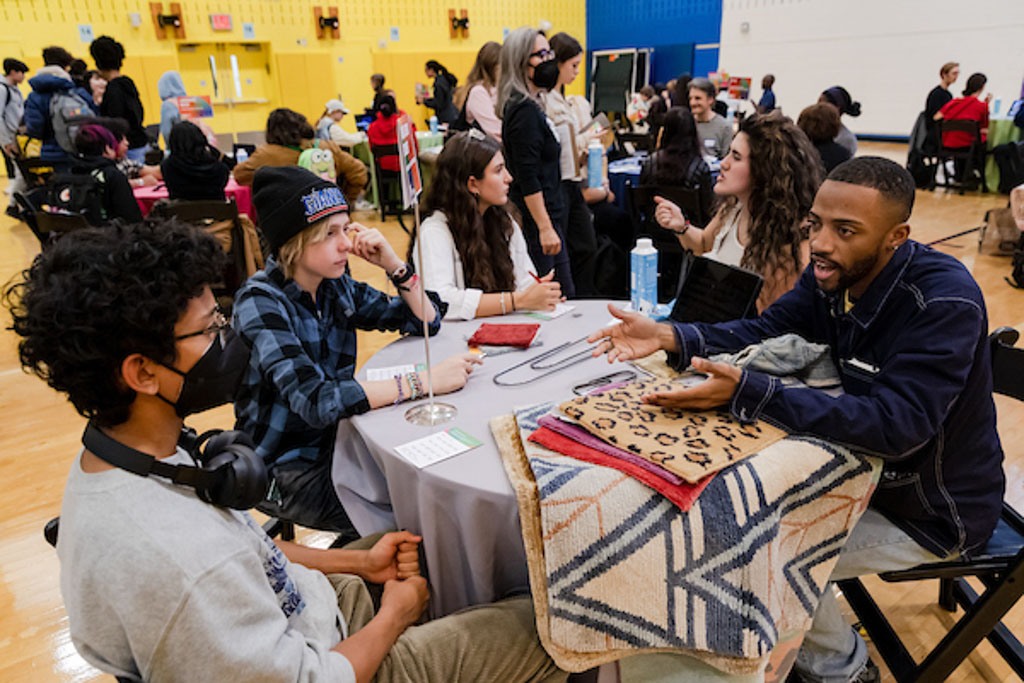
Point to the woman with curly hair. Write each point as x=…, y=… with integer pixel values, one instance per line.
x=288, y=135
x=474, y=254
x=767, y=182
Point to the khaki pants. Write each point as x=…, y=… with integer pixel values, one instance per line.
x=496, y=642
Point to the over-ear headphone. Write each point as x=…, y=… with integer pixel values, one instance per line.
x=230, y=474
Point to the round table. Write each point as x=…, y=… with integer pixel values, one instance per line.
x=464, y=507
x=148, y=195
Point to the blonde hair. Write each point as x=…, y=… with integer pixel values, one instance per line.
x=291, y=251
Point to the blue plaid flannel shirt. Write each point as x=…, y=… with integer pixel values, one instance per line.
x=300, y=379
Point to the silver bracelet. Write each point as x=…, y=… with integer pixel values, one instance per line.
x=503, y=303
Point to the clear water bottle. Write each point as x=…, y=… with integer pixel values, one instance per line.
x=996, y=106
x=643, y=276
x=241, y=155
x=433, y=124
x=595, y=164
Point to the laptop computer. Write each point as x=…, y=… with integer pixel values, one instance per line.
x=713, y=292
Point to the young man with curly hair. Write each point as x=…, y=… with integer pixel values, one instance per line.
x=908, y=331
x=157, y=583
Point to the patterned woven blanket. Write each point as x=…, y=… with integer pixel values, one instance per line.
x=616, y=569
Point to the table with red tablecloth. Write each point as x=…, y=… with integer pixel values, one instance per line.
x=147, y=196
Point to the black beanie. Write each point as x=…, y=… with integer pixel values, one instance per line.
x=289, y=199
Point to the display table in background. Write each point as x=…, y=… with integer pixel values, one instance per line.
x=242, y=194
x=625, y=173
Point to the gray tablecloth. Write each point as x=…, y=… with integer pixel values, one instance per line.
x=464, y=507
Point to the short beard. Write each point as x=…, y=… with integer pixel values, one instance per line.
x=855, y=273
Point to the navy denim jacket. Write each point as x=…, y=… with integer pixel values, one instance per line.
x=914, y=361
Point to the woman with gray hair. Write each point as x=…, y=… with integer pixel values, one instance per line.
x=532, y=150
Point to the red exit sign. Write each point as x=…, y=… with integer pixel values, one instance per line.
x=220, y=22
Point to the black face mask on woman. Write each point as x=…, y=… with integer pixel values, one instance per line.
x=545, y=74
x=215, y=377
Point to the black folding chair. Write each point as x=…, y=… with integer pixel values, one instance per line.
x=389, y=184
x=971, y=158
x=209, y=214
x=1000, y=568
x=640, y=141
x=670, y=251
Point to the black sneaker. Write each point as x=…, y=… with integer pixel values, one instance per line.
x=869, y=674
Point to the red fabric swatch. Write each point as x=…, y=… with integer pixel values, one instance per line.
x=518, y=335
x=683, y=495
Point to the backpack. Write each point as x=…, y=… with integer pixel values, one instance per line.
x=320, y=161
x=80, y=194
x=68, y=111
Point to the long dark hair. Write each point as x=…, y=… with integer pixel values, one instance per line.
x=188, y=144
x=565, y=48
x=975, y=84
x=288, y=128
x=679, y=146
x=482, y=241
x=440, y=70
x=785, y=172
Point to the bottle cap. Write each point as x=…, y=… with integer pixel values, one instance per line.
x=644, y=243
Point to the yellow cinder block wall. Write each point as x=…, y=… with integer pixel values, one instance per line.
x=283, y=63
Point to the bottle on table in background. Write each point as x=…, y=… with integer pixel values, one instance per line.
x=241, y=155
x=595, y=164
x=433, y=124
x=643, y=276
x=996, y=105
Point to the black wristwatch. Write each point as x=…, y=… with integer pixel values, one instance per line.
x=402, y=274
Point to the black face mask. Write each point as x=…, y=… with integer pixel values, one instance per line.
x=545, y=74
x=214, y=379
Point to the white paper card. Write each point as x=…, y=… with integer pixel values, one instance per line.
x=382, y=374
x=437, y=447
x=560, y=310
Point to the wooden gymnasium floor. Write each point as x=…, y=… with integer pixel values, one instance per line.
x=40, y=431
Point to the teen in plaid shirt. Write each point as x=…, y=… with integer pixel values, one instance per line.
x=299, y=316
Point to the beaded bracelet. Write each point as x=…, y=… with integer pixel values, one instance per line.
x=415, y=386
x=401, y=395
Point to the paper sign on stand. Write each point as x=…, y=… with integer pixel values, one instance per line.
x=412, y=180
x=194, y=107
x=412, y=186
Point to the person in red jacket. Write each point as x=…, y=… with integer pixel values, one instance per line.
x=967, y=108
x=384, y=131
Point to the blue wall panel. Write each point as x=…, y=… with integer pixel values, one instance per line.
x=613, y=24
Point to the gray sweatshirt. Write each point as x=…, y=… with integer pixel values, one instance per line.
x=161, y=586
x=715, y=136
x=12, y=106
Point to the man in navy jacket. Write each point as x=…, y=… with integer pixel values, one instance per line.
x=907, y=328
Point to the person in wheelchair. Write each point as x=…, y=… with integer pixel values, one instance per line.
x=164, y=574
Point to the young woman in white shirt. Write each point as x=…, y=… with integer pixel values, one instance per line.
x=767, y=184
x=474, y=254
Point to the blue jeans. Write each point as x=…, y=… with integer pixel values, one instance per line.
x=832, y=652
x=138, y=153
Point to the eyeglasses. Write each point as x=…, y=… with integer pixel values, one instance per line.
x=219, y=324
x=543, y=54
